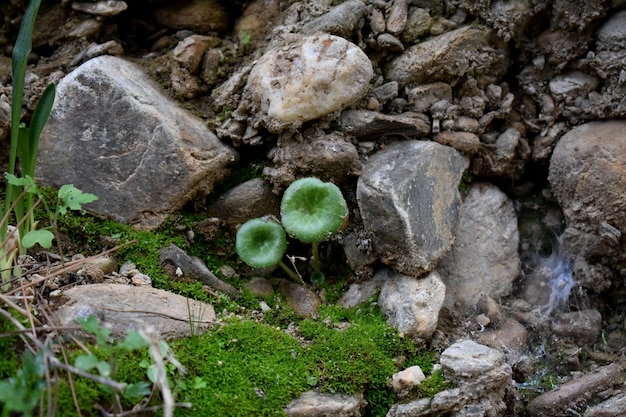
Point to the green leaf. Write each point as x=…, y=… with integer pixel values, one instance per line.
x=312, y=210
x=153, y=373
x=27, y=182
x=42, y=237
x=86, y=362
x=261, y=243
x=21, y=393
x=104, y=368
x=199, y=383
x=136, y=391
x=133, y=341
x=22, y=48
x=92, y=326
x=73, y=198
x=28, y=156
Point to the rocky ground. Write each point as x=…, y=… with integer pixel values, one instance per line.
x=397, y=102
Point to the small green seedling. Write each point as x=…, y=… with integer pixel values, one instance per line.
x=261, y=243
x=312, y=211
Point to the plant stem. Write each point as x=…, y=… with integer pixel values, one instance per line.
x=316, y=256
x=290, y=272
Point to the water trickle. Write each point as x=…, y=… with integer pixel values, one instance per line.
x=558, y=272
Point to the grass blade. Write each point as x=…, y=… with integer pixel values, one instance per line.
x=38, y=122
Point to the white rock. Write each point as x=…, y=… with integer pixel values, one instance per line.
x=410, y=304
x=311, y=78
x=572, y=85
x=402, y=382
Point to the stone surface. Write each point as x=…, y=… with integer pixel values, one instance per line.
x=581, y=327
x=467, y=359
x=555, y=402
x=302, y=300
x=422, y=97
x=510, y=337
x=572, y=85
x=448, y=57
x=410, y=304
x=122, y=308
x=200, y=16
x=316, y=404
x=409, y=200
x=330, y=157
x=402, y=382
x=612, y=33
x=367, y=124
x=461, y=141
x=482, y=378
x=113, y=133
x=190, y=51
x=614, y=406
x=315, y=76
x=588, y=178
x=248, y=200
x=341, y=20
x=362, y=292
x=484, y=259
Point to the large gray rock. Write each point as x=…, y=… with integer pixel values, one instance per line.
x=409, y=200
x=588, y=178
x=484, y=258
x=468, y=51
x=482, y=381
x=316, y=404
x=113, y=133
x=315, y=76
x=410, y=304
x=122, y=308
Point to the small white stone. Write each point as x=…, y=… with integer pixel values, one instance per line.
x=402, y=382
x=316, y=76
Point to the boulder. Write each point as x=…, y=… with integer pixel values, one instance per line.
x=122, y=308
x=114, y=134
x=588, y=178
x=410, y=204
x=484, y=259
x=410, y=304
x=308, y=79
x=467, y=51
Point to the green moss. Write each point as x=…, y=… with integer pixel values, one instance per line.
x=249, y=369
x=9, y=362
x=432, y=385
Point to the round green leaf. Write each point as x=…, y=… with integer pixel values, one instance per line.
x=43, y=237
x=261, y=243
x=312, y=210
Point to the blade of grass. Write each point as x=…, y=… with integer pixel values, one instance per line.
x=22, y=49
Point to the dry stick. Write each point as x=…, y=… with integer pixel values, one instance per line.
x=5, y=218
x=140, y=410
x=43, y=328
x=55, y=362
x=161, y=377
x=70, y=265
x=71, y=382
x=17, y=308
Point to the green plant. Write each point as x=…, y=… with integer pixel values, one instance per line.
x=24, y=140
x=21, y=193
x=261, y=243
x=311, y=211
x=21, y=393
x=68, y=198
x=245, y=37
